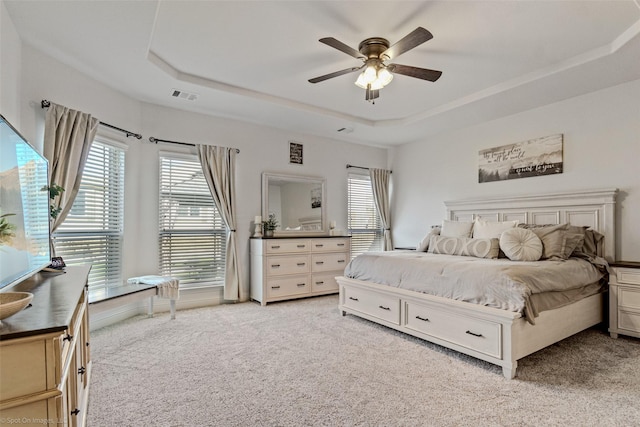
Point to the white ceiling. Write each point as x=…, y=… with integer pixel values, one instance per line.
x=251, y=60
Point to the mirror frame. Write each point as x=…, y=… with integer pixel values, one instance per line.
x=266, y=176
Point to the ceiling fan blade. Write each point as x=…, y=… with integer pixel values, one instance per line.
x=411, y=40
x=334, y=74
x=337, y=44
x=418, y=73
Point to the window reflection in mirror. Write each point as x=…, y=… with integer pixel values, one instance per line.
x=298, y=203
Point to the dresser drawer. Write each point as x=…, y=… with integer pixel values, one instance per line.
x=289, y=285
x=382, y=306
x=329, y=262
x=287, y=246
x=295, y=264
x=324, y=282
x=330, y=245
x=472, y=333
x=628, y=276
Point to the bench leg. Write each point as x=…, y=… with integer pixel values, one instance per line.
x=150, y=310
x=172, y=306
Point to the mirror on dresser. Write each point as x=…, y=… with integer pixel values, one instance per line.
x=298, y=202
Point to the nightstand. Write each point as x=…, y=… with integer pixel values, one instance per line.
x=624, y=299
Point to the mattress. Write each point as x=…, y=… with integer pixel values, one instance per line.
x=524, y=287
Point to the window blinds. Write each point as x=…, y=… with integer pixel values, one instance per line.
x=363, y=221
x=92, y=232
x=192, y=235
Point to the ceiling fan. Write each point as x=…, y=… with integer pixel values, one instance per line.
x=374, y=52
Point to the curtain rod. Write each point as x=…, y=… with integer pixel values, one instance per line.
x=359, y=167
x=156, y=140
x=46, y=104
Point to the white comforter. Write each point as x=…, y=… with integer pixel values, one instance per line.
x=499, y=283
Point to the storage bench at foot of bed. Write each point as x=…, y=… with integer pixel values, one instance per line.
x=497, y=336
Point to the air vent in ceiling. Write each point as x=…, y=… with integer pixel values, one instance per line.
x=184, y=95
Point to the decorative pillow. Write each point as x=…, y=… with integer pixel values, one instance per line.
x=466, y=246
x=553, y=239
x=456, y=228
x=520, y=244
x=491, y=230
x=424, y=243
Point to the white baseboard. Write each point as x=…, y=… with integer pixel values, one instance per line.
x=115, y=310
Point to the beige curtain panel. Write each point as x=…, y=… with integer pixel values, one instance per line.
x=381, y=195
x=68, y=135
x=218, y=166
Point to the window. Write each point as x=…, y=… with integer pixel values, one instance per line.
x=192, y=235
x=363, y=221
x=92, y=232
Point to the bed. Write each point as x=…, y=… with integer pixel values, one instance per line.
x=497, y=333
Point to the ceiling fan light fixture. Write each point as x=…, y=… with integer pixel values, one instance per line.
x=381, y=77
x=384, y=76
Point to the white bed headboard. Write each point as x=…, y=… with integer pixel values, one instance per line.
x=592, y=208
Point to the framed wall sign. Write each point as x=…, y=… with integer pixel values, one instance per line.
x=295, y=153
x=535, y=157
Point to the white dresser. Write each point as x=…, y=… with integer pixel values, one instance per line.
x=297, y=267
x=624, y=299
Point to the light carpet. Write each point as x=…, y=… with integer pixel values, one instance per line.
x=301, y=363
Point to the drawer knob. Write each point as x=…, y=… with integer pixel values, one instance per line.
x=340, y=244
x=275, y=247
x=275, y=265
x=354, y=299
x=341, y=260
x=424, y=319
x=319, y=283
x=384, y=308
x=301, y=284
x=301, y=246
x=474, y=334
x=319, y=246
x=275, y=287
x=319, y=262
x=300, y=264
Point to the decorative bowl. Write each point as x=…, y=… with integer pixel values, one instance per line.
x=13, y=302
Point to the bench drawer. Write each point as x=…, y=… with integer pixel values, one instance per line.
x=475, y=334
x=382, y=306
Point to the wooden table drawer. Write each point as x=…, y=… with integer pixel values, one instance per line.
x=329, y=262
x=295, y=264
x=628, y=275
x=628, y=320
x=472, y=333
x=289, y=285
x=330, y=245
x=287, y=246
x=382, y=306
x=629, y=297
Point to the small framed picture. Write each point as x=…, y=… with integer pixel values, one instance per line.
x=295, y=153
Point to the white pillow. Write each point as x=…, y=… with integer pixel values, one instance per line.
x=456, y=228
x=520, y=244
x=491, y=230
x=423, y=245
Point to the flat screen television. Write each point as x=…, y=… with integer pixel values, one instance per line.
x=24, y=208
